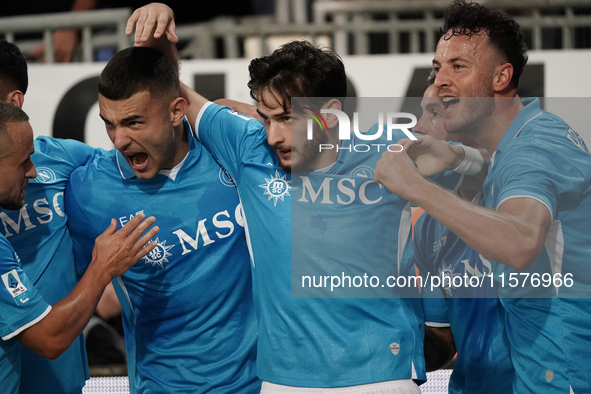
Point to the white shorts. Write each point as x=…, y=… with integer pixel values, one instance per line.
x=404, y=386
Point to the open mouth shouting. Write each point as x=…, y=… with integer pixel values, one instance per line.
x=449, y=102
x=137, y=161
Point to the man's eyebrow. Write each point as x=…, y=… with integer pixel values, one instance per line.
x=262, y=115
x=124, y=120
x=455, y=59
x=284, y=113
x=105, y=120
x=131, y=118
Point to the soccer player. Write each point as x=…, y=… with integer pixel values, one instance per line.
x=26, y=316
x=188, y=307
x=475, y=315
x=537, y=195
x=353, y=345
x=38, y=232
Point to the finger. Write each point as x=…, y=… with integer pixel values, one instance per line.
x=139, y=27
x=377, y=174
x=406, y=143
x=144, y=250
x=171, y=32
x=146, y=240
x=132, y=225
x=131, y=22
x=140, y=229
x=162, y=24
x=148, y=27
x=111, y=229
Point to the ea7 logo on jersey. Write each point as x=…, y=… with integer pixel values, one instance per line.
x=277, y=187
x=15, y=287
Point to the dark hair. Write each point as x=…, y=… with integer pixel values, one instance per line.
x=138, y=69
x=10, y=113
x=13, y=67
x=467, y=19
x=298, y=69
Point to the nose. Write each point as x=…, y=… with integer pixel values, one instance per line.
x=442, y=78
x=30, y=172
x=420, y=127
x=275, y=134
x=119, y=137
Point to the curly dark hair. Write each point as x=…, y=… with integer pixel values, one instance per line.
x=467, y=18
x=298, y=69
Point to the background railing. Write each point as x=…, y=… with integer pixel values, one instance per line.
x=350, y=27
x=99, y=29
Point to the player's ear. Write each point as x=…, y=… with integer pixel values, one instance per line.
x=177, y=111
x=502, y=78
x=331, y=119
x=16, y=97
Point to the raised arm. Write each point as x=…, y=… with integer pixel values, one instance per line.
x=114, y=253
x=512, y=235
x=155, y=28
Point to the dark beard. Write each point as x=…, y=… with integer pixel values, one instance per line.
x=12, y=205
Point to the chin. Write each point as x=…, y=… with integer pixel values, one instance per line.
x=285, y=167
x=12, y=205
x=145, y=175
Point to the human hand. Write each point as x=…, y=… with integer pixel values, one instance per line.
x=397, y=172
x=154, y=17
x=116, y=251
x=432, y=156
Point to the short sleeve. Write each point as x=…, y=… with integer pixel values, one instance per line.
x=228, y=135
x=21, y=305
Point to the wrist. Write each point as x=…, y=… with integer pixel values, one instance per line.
x=472, y=162
x=96, y=274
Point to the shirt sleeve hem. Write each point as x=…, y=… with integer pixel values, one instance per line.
x=199, y=116
x=436, y=324
x=29, y=324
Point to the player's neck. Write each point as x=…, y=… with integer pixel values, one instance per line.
x=181, y=145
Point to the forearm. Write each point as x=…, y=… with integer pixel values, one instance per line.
x=500, y=236
x=195, y=102
x=55, y=333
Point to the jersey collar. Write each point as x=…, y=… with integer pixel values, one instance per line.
x=529, y=112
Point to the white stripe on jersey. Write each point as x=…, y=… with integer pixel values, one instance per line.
x=554, y=245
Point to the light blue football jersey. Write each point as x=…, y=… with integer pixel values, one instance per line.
x=541, y=157
x=39, y=234
x=320, y=342
x=21, y=306
x=187, y=306
x=475, y=315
